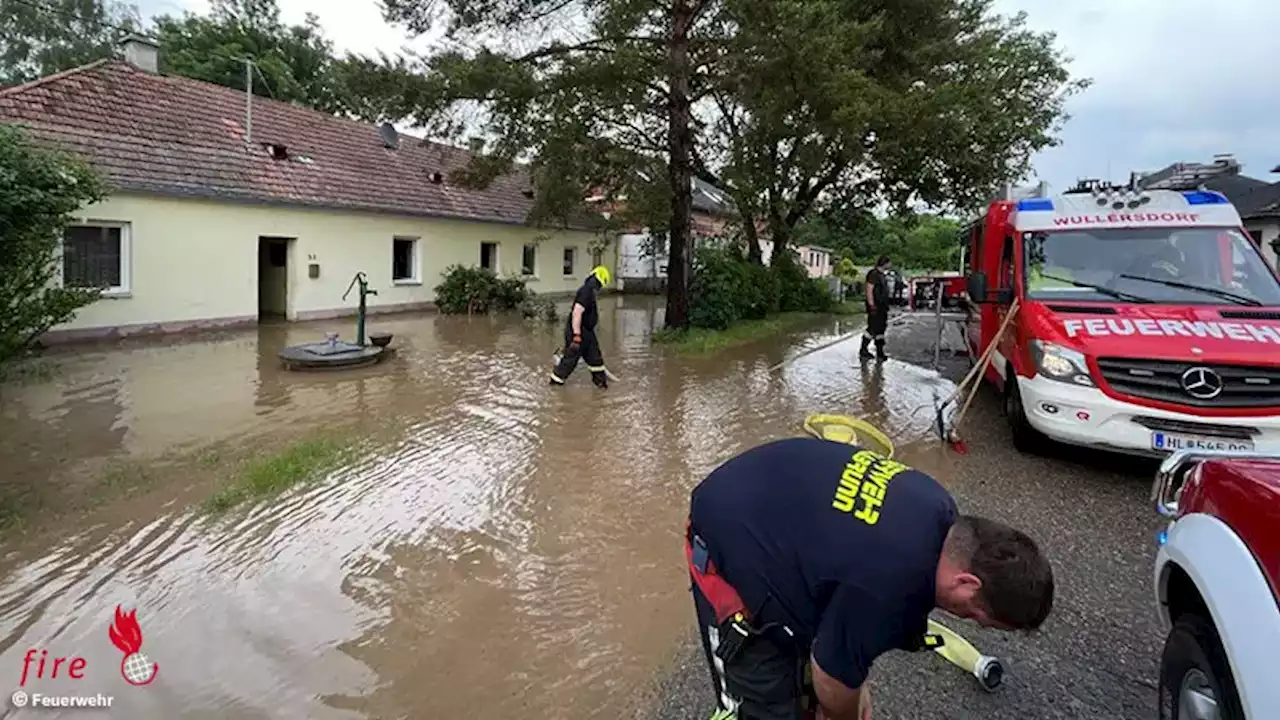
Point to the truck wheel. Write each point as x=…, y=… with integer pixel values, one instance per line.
x=1025, y=437
x=1195, y=679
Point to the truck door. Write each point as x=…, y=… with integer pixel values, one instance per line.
x=977, y=312
x=1005, y=280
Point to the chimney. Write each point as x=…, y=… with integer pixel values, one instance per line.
x=141, y=52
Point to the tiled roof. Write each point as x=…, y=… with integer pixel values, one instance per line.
x=177, y=136
x=1262, y=202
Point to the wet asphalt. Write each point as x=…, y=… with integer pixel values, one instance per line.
x=1096, y=656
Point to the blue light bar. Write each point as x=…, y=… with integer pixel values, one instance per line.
x=1035, y=205
x=1204, y=197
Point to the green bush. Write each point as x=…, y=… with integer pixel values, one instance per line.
x=797, y=292
x=40, y=190
x=718, y=288
x=478, y=290
x=726, y=288
x=535, y=306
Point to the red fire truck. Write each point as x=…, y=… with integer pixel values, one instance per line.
x=1147, y=321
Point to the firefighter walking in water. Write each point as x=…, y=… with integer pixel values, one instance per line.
x=580, y=339
x=877, y=292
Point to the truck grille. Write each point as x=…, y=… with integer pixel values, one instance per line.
x=1243, y=386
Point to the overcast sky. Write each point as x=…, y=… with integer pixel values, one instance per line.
x=1174, y=80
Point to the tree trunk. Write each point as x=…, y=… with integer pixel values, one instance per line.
x=781, y=236
x=752, y=235
x=680, y=166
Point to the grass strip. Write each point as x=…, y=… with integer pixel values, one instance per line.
x=300, y=462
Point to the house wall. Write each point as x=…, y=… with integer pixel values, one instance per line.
x=816, y=261
x=1266, y=233
x=194, y=263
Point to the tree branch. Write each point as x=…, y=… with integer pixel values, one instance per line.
x=600, y=45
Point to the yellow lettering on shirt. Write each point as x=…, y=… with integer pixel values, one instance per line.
x=863, y=483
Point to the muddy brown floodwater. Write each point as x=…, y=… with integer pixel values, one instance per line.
x=499, y=548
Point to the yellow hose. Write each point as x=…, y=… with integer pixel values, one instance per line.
x=960, y=652
x=849, y=430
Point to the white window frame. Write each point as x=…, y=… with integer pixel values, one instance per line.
x=125, y=288
x=415, y=261
x=534, y=272
x=573, y=264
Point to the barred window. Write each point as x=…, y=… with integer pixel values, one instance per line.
x=93, y=256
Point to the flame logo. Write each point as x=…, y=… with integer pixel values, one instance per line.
x=126, y=634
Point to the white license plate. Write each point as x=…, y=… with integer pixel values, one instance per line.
x=1178, y=441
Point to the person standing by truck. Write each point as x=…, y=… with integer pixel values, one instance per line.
x=877, y=296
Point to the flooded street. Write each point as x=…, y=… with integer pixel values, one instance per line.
x=497, y=548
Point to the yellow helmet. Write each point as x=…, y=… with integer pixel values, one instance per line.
x=601, y=273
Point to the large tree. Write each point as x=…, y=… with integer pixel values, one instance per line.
x=594, y=97
x=793, y=106
x=853, y=104
x=295, y=63
x=41, y=37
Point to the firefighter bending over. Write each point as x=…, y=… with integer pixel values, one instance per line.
x=811, y=558
x=580, y=333
x=877, y=292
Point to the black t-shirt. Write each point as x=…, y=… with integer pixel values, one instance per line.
x=586, y=297
x=837, y=542
x=879, y=287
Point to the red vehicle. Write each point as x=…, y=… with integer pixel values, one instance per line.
x=1147, y=321
x=922, y=290
x=1217, y=582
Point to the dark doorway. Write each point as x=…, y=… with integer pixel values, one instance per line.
x=273, y=277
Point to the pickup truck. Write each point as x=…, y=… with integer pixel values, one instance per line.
x=1217, y=582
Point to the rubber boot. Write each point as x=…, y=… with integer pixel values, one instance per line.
x=880, y=355
x=865, y=352
x=600, y=379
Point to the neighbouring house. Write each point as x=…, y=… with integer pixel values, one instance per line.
x=1257, y=201
x=642, y=264
x=817, y=261
x=228, y=208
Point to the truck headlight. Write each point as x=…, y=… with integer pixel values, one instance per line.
x=1062, y=364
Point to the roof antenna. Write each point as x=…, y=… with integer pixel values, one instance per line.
x=248, y=102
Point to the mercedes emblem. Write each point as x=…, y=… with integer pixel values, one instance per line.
x=1202, y=383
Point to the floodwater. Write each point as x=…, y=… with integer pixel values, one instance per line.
x=498, y=548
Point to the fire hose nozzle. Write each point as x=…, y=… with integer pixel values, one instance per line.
x=990, y=672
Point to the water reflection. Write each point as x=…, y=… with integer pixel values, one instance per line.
x=498, y=548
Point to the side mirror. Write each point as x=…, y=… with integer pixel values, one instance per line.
x=976, y=287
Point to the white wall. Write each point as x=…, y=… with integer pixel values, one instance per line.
x=196, y=262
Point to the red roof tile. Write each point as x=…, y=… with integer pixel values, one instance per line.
x=178, y=136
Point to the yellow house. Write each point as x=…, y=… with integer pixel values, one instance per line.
x=227, y=209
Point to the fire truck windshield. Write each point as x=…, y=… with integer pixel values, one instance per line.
x=1185, y=266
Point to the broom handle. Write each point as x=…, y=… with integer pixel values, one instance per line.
x=986, y=354
x=1013, y=310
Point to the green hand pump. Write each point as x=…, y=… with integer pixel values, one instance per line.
x=363, y=280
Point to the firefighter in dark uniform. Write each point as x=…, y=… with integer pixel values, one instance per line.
x=877, y=293
x=811, y=558
x=580, y=339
